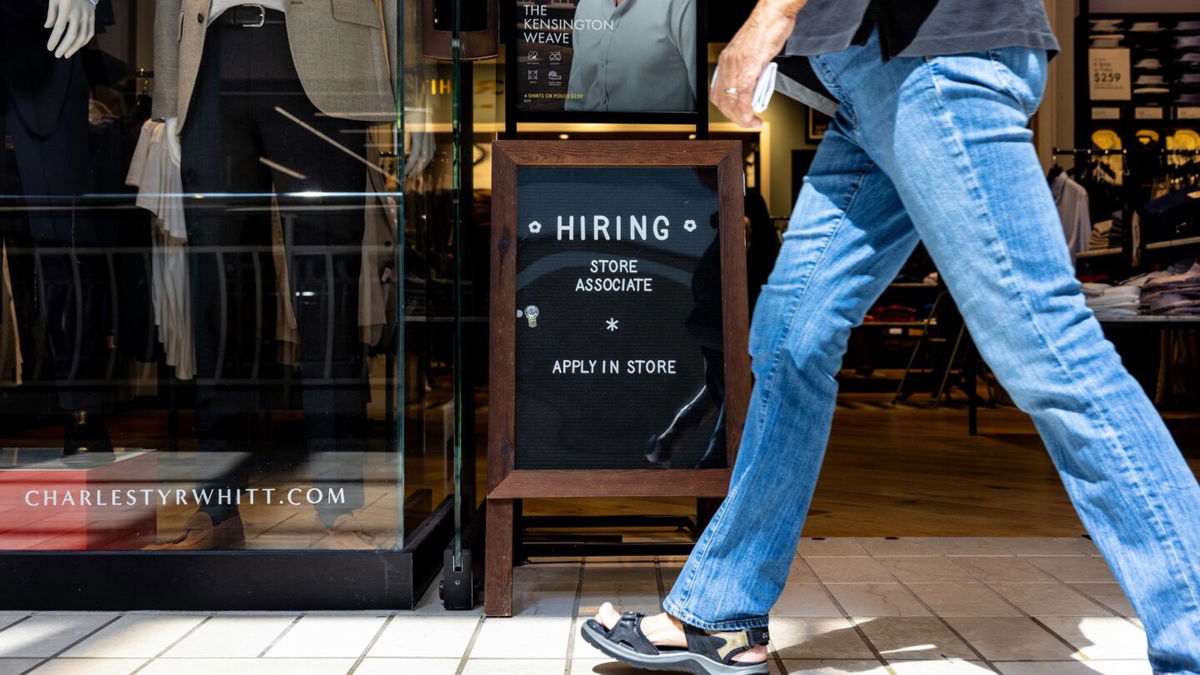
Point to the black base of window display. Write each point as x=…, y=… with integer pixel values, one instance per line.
x=228, y=580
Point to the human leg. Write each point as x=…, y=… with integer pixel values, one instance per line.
x=951, y=134
x=847, y=240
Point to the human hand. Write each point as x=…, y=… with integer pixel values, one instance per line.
x=742, y=61
x=72, y=24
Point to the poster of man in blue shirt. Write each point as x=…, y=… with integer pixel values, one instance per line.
x=607, y=55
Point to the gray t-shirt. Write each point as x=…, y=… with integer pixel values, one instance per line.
x=921, y=27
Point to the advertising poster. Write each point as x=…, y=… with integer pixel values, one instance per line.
x=605, y=56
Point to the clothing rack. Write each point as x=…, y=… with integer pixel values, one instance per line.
x=1133, y=254
x=1088, y=152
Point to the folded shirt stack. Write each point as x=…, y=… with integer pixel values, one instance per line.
x=1114, y=300
x=1174, y=292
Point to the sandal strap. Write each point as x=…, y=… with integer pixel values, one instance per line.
x=628, y=631
x=722, y=646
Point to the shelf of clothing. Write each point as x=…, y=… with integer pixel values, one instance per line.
x=900, y=324
x=1100, y=252
x=1151, y=319
x=1173, y=243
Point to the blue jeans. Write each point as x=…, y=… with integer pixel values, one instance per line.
x=937, y=149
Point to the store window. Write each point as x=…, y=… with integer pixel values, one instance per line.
x=228, y=305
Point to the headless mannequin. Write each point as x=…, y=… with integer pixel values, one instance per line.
x=246, y=73
x=45, y=96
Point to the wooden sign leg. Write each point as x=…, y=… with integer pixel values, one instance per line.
x=498, y=563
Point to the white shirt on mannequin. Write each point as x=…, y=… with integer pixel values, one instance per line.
x=219, y=6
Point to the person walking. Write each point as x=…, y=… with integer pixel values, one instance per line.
x=930, y=143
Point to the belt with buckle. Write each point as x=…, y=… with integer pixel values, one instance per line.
x=250, y=16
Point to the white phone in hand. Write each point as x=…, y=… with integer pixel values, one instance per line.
x=762, y=90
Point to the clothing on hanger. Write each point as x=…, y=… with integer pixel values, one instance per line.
x=1072, y=201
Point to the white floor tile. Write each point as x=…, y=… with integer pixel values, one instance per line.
x=47, y=634
x=305, y=666
x=805, y=600
x=327, y=636
x=917, y=570
x=849, y=570
x=1011, y=639
x=817, y=639
x=514, y=667
x=963, y=599
x=837, y=546
x=832, y=667
x=1048, y=545
x=1073, y=569
x=8, y=619
x=1043, y=668
x=533, y=637
x=596, y=575
x=908, y=638
x=877, y=600
x=406, y=666
x=940, y=667
x=1110, y=595
x=1052, y=599
x=425, y=636
x=969, y=546
x=89, y=667
x=531, y=600
x=16, y=666
x=547, y=574
x=231, y=637
x=916, y=546
x=801, y=573
x=136, y=636
x=1001, y=569
x=1100, y=638
x=670, y=573
x=1075, y=668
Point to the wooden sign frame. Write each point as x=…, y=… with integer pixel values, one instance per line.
x=505, y=483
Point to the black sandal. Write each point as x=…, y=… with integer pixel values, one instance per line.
x=707, y=653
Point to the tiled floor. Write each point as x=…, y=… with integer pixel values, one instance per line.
x=873, y=606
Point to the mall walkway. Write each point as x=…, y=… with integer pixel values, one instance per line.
x=1017, y=606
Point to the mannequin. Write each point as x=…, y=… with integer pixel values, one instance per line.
x=271, y=110
x=45, y=98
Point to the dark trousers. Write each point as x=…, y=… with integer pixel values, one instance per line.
x=45, y=105
x=240, y=152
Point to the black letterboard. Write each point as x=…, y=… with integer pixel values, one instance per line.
x=619, y=341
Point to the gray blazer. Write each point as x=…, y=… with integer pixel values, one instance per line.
x=342, y=50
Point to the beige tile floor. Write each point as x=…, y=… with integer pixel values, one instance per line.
x=1018, y=606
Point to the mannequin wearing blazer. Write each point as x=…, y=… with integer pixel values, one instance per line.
x=341, y=50
x=225, y=79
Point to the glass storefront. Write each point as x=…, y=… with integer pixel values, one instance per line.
x=233, y=293
x=245, y=291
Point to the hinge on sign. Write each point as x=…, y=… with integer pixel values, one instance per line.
x=743, y=183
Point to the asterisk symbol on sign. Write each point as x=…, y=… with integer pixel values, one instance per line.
x=689, y=225
x=612, y=324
